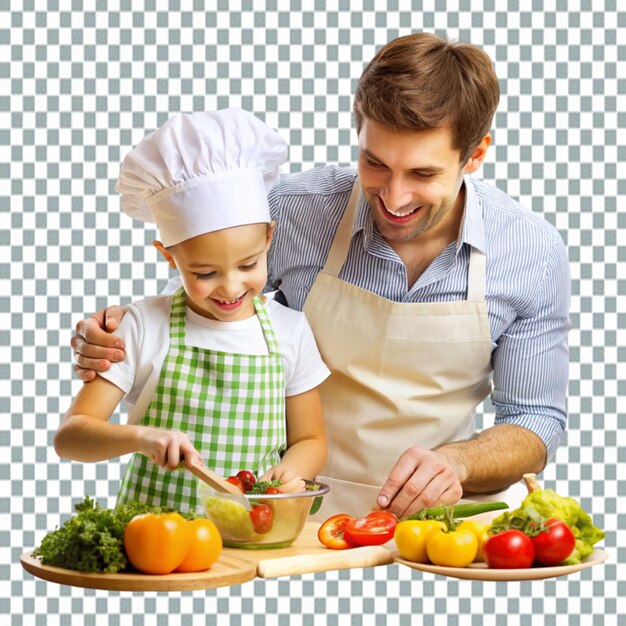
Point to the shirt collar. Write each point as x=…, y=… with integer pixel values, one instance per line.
x=471, y=231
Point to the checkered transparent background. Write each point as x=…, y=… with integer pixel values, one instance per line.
x=83, y=81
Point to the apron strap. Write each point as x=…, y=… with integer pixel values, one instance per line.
x=476, y=276
x=177, y=318
x=341, y=243
x=266, y=326
x=476, y=280
x=178, y=315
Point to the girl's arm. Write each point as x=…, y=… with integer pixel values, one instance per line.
x=306, y=442
x=85, y=433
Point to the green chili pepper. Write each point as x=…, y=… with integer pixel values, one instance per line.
x=459, y=510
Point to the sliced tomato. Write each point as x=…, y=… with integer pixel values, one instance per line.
x=372, y=530
x=272, y=491
x=331, y=532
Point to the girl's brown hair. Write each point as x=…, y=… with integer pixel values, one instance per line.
x=420, y=81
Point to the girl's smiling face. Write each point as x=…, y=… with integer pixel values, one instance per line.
x=222, y=271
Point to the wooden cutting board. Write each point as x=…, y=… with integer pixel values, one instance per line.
x=235, y=566
x=229, y=569
x=307, y=555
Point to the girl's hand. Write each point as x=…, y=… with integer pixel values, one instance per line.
x=168, y=447
x=290, y=480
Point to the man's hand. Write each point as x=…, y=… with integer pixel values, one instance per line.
x=421, y=478
x=93, y=345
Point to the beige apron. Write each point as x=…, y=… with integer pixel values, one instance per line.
x=401, y=373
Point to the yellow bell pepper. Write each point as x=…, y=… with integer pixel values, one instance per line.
x=456, y=548
x=480, y=530
x=411, y=537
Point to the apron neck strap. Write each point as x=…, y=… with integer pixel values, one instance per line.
x=266, y=325
x=476, y=276
x=341, y=243
x=177, y=317
x=178, y=312
x=476, y=280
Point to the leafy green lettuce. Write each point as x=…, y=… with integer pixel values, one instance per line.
x=549, y=504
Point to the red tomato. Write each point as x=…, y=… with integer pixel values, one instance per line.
x=235, y=481
x=554, y=544
x=510, y=549
x=247, y=479
x=372, y=530
x=331, y=532
x=272, y=491
x=262, y=518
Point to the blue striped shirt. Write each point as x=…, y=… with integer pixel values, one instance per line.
x=527, y=282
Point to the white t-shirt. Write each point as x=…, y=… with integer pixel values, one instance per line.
x=145, y=330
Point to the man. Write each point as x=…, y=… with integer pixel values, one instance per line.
x=426, y=290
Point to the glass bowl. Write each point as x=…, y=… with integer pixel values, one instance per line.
x=289, y=513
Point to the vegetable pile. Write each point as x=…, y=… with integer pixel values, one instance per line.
x=539, y=516
x=261, y=515
x=93, y=540
x=547, y=529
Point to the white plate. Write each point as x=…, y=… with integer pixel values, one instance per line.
x=479, y=571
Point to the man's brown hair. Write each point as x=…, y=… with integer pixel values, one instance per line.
x=421, y=81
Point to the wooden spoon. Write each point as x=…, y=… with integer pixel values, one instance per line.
x=214, y=480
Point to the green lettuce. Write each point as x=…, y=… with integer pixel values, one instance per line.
x=547, y=503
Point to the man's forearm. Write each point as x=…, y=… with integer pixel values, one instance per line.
x=495, y=458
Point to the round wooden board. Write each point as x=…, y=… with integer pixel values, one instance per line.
x=228, y=570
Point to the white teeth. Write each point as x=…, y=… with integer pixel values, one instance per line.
x=402, y=214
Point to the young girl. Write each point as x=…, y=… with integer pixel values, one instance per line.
x=216, y=373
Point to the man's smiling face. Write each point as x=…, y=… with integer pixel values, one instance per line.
x=411, y=180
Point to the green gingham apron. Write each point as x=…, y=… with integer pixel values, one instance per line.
x=230, y=406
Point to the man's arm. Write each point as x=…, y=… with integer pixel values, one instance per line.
x=487, y=463
x=495, y=458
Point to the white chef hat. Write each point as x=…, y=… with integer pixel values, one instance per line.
x=202, y=172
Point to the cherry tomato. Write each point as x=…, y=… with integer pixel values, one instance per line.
x=554, y=544
x=456, y=548
x=262, y=518
x=204, y=548
x=272, y=491
x=411, y=536
x=510, y=549
x=247, y=479
x=374, y=529
x=235, y=481
x=331, y=532
x=157, y=544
